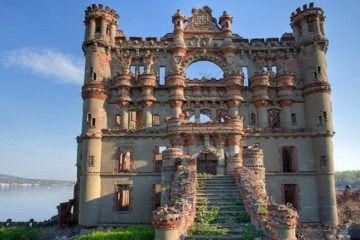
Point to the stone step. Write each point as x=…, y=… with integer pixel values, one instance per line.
x=223, y=214
x=225, y=207
x=217, y=190
x=204, y=237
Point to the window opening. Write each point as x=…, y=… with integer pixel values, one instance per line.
x=246, y=76
x=122, y=197
x=156, y=196
x=288, y=159
x=293, y=119
x=274, y=69
x=132, y=69
x=318, y=68
x=123, y=160
x=156, y=120
x=97, y=26
x=274, y=118
x=162, y=75
x=291, y=195
x=117, y=119
x=141, y=69
x=253, y=118
x=320, y=120
x=324, y=116
x=93, y=122
x=204, y=70
x=88, y=118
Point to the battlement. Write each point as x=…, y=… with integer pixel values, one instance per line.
x=100, y=11
x=307, y=10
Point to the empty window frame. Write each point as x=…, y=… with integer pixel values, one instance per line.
x=291, y=195
x=253, y=118
x=156, y=196
x=293, y=119
x=122, y=197
x=117, y=119
x=156, y=119
x=288, y=156
x=157, y=158
x=123, y=161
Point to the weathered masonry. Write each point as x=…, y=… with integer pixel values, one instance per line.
x=138, y=102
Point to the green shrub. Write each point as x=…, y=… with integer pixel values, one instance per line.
x=250, y=233
x=19, y=233
x=130, y=233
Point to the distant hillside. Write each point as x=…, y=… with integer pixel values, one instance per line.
x=344, y=178
x=13, y=180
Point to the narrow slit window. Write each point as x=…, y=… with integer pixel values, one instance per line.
x=293, y=119
x=93, y=122
x=320, y=120
x=162, y=75
x=246, y=76
x=88, y=118
x=253, y=119
x=318, y=68
x=94, y=76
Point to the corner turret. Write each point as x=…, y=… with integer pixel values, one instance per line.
x=307, y=24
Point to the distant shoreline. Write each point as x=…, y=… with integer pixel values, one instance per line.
x=13, y=181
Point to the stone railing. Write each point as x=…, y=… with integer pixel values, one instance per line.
x=171, y=221
x=277, y=221
x=183, y=194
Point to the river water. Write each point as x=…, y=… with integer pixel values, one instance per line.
x=22, y=203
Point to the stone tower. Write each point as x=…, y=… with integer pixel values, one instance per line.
x=308, y=30
x=274, y=94
x=100, y=30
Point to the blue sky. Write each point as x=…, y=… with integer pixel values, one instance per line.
x=41, y=68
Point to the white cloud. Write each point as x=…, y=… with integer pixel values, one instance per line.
x=48, y=63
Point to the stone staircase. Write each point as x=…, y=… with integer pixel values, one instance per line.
x=219, y=204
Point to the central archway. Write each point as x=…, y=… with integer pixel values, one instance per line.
x=206, y=163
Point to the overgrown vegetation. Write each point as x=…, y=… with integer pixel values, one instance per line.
x=130, y=233
x=250, y=233
x=19, y=233
x=205, y=220
x=344, y=178
x=204, y=175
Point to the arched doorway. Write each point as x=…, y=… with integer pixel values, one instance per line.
x=206, y=163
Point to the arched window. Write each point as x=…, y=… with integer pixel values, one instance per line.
x=204, y=118
x=204, y=69
x=117, y=119
x=253, y=119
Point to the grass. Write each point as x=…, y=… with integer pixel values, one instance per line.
x=19, y=233
x=130, y=233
